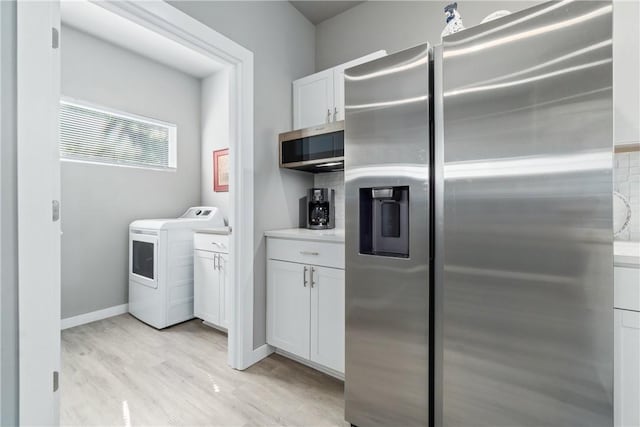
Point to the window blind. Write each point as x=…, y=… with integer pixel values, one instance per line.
x=93, y=134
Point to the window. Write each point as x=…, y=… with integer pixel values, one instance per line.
x=96, y=134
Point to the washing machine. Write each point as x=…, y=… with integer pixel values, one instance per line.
x=161, y=265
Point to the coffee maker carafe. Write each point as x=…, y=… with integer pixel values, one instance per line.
x=320, y=208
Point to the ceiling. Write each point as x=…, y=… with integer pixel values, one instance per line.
x=318, y=11
x=93, y=19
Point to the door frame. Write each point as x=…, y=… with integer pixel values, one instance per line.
x=172, y=23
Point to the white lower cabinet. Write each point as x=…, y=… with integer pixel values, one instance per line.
x=225, y=291
x=288, y=300
x=211, y=289
x=305, y=307
x=206, y=287
x=327, y=317
x=627, y=368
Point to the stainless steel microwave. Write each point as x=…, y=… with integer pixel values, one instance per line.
x=315, y=149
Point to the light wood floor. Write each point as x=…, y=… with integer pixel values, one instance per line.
x=120, y=372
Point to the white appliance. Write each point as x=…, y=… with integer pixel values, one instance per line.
x=161, y=265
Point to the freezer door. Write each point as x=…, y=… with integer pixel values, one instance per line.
x=387, y=154
x=525, y=288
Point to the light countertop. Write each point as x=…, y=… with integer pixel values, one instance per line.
x=335, y=235
x=626, y=254
x=214, y=230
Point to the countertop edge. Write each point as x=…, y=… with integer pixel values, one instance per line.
x=221, y=231
x=290, y=234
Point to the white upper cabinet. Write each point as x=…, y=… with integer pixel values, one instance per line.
x=319, y=98
x=313, y=100
x=626, y=71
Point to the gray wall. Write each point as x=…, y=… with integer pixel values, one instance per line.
x=215, y=135
x=282, y=42
x=8, y=219
x=99, y=201
x=394, y=25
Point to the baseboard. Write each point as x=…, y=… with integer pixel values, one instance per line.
x=82, y=319
x=256, y=355
x=309, y=363
x=216, y=327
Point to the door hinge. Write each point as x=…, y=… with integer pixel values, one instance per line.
x=55, y=210
x=56, y=381
x=55, y=38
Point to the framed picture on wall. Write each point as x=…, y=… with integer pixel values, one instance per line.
x=221, y=170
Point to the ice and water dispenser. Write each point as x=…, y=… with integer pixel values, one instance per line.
x=384, y=221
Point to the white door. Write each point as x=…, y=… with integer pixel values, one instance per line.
x=288, y=295
x=38, y=169
x=225, y=291
x=206, y=287
x=338, y=93
x=627, y=368
x=327, y=317
x=313, y=100
x=338, y=81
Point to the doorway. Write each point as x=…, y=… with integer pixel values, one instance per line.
x=39, y=253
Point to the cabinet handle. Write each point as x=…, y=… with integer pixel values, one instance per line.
x=309, y=253
x=312, y=271
x=328, y=115
x=304, y=277
x=335, y=113
x=215, y=258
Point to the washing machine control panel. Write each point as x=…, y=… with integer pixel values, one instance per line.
x=199, y=212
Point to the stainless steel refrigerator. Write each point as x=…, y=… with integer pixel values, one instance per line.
x=479, y=272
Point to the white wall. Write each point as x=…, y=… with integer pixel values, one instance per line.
x=282, y=42
x=394, y=26
x=99, y=202
x=334, y=181
x=626, y=172
x=8, y=219
x=215, y=135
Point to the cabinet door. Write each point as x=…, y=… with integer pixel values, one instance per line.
x=206, y=287
x=225, y=292
x=627, y=368
x=313, y=100
x=338, y=82
x=626, y=69
x=327, y=317
x=288, y=307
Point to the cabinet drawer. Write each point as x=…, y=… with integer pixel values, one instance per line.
x=211, y=242
x=317, y=253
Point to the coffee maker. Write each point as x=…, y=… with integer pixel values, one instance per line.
x=320, y=208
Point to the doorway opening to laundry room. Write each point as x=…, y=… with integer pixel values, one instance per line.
x=150, y=126
x=144, y=134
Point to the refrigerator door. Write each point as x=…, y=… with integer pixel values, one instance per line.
x=387, y=186
x=525, y=288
